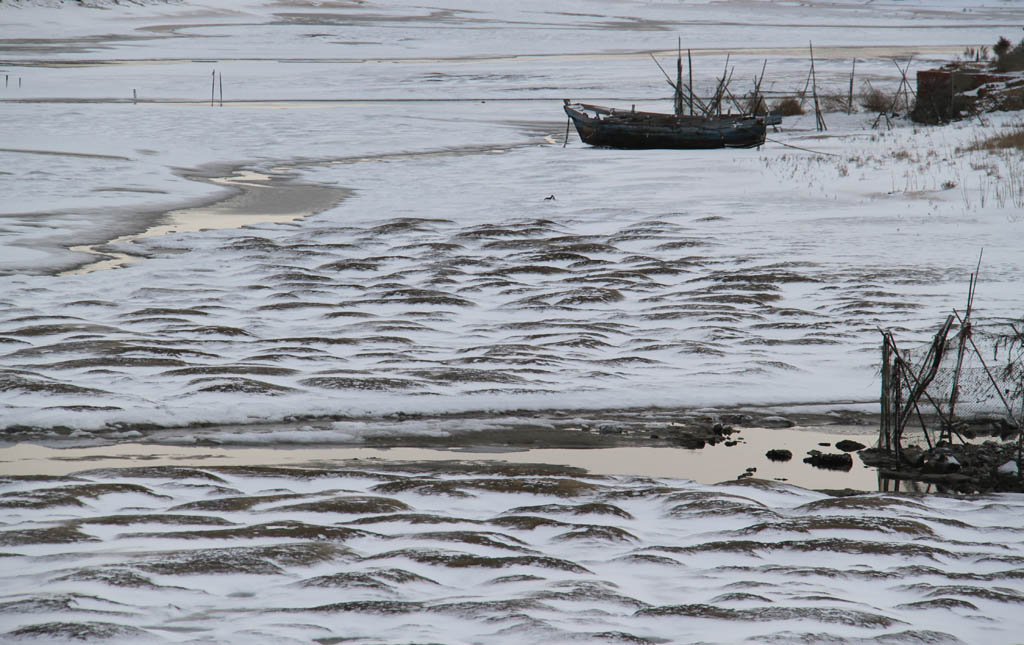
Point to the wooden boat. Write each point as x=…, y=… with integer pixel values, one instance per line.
x=608, y=127
x=601, y=126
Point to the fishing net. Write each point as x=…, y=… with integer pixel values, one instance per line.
x=985, y=387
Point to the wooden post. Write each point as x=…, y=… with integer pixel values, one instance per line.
x=952, y=95
x=135, y=97
x=849, y=104
x=220, y=80
x=213, y=85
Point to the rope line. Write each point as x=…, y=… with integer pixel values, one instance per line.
x=817, y=152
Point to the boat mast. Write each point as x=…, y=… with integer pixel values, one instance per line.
x=679, y=79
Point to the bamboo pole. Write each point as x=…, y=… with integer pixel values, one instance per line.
x=965, y=330
x=999, y=391
x=213, y=85
x=820, y=120
x=720, y=93
x=689, y=61
x=689, y=90
x=929, y=367
x=884, y=438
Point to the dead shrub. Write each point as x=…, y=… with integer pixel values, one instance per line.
x=874, y=99
x=788, y=107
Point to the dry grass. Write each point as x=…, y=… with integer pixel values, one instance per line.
x=1011, y=137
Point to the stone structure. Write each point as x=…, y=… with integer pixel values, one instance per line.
x=960, y=90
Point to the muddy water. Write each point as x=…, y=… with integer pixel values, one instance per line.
x=710, y=465
x=258, y=199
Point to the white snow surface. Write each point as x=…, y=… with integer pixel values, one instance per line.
x=407, y=151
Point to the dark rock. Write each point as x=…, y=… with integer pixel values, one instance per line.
x=956, y=468
x=829, y=461
x=846, y=445
x=912, y=455
x=779, y=454
x=940, y=463
x=689, y=442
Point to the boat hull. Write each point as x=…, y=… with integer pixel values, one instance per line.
x=640, y=130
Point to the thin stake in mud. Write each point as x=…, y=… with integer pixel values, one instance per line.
x=849, y=102
x=818, y=117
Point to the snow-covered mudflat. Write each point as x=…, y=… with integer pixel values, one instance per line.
x=430, y=273
x=380, y=229
x=478, y=553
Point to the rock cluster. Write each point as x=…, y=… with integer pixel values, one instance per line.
x=990, y=466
